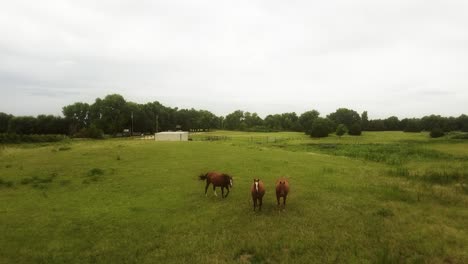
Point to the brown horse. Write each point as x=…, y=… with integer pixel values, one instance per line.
x=257, y=190
x=217, y=179
x=282, y=189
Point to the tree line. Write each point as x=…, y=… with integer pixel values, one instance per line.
x=112, y=114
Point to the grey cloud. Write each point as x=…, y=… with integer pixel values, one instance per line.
x=261, y=56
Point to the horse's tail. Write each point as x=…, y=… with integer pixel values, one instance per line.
x=203, y=176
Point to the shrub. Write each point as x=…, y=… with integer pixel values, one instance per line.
x=436, y=132
x=320, y=128
x=355, y=129
x=460, y=136
x=90, y=132
x=341, y=130
x=7, y=184
x=95, y=172
x=18, y=138
x=64, y=148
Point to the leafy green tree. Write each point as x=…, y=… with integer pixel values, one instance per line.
x=234, y=120
x=110, y=114
x=412, y=125
x=306, y=120
x=290, y=122
x=341, y=129
x=22, y=125
x=428, y=123
x=252, y=120
x=364, y=121
x=4, y=119
x=392, y=123
x=77, y=115
x=273, y=122
x=345, y=116
x=376, y=125
x=49, y=124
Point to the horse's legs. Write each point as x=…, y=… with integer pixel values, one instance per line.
x=284, y=201
x=214, y=190
x=278, y=199
x=227, y=187
x=222, y=191
x=254, y=202
x=206, y=187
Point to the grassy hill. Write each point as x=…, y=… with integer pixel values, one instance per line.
x=384, y=197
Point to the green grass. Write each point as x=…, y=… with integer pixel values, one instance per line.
x=135, y=201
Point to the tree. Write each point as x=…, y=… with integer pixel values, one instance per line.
x=345, y=116
x=290, y=122
x=273, y=122
x=392, y=123
x=341, y=130
x=428, y=123
x=355, y=129
x=252, y=120
x=321, y=127
x=49, y=124
x=412, y=125
x=463, y=123
x=307, y=118
x=22, y=125
x=376, y=125
x=234, y=120
x=110, y=114
x=77, y=115
x=364, y=121
x=4, y=119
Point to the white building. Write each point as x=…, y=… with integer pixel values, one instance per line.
x=171, y=136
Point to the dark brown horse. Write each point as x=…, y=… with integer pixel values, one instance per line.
x=217, y=179
x=282, y=190
x=257, y=190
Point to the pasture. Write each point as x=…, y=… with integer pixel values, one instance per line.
x=384, y=197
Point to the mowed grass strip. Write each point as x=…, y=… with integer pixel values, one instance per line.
x=148, y=206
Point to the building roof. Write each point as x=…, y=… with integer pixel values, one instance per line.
x=172, y=133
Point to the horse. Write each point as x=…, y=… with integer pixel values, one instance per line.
x=282, y=189
x=257, y=190
x=217, y=179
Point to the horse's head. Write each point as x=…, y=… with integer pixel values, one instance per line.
x=256, y=181
x=282, y=187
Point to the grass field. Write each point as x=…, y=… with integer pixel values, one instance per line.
x=384, y=197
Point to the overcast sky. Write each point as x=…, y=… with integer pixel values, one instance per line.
x=399, y=57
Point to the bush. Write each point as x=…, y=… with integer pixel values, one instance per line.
x=465, y=128
x=90, y=132
x=17, y=138
x=7, y=184
x=436, y=132
x=460, y=136
x=355, y=129
x=321, y=127
x=341, y=130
